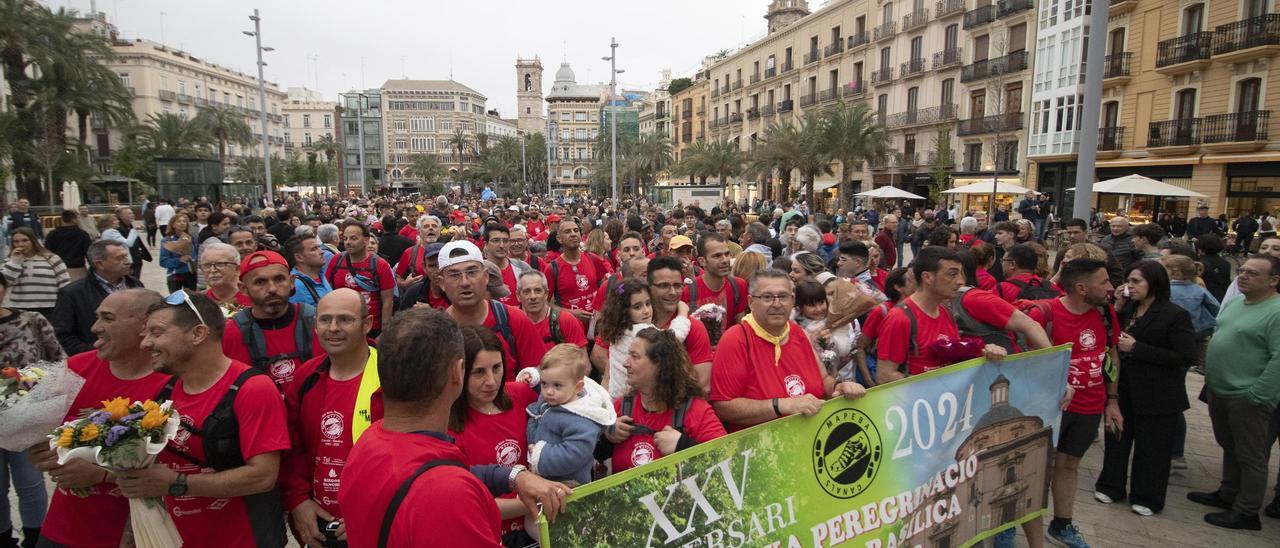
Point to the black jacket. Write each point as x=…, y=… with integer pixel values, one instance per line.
x=70, y=243
x=76, y=311
x=1153, y=374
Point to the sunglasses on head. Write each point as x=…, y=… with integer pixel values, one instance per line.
x=180, y=297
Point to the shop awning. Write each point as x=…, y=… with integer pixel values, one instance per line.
x=889, y=192
x=819, y=186
x=984, y=187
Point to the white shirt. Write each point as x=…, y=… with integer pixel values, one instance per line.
x=164, y=212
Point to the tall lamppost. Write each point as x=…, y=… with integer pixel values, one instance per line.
x=613, y=118
x=256, y=33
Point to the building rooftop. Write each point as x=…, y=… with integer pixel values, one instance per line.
x=567, y=87
x=434, y=85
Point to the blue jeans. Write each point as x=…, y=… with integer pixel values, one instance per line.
x=33, y=500
x=1040, y=225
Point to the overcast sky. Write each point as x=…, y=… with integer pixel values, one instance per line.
x=327, y=42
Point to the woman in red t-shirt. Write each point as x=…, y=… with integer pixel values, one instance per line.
x=488, y=419
x=663, y=385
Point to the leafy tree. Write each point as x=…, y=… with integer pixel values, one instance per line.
x=225, y=126
x=777, y=151
x=942, y=165
x=328, y=146
x=678, y=85
x=430, y=170
x=809, y=158
x=168, y=135
x=851, y=136
x=459, y=142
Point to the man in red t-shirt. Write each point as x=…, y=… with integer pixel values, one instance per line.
x=421, y=366
x=574, y=276
x=227, y=498
x=465, y=280
x=410, y=230
x=1020, y=274
x=666, y=283
x=913, y=330
x=1078, y=318
x=765, y=367
x=717, y=284
x=533, y=300
x=331, y=402
x=267, y=334
x=352, y=269
x=409, y=268
x=496, y=251
x=119, y=367
x=632, y=262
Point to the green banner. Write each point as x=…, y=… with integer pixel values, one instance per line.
x=946, y=458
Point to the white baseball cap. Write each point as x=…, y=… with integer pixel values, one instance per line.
x=449, y=255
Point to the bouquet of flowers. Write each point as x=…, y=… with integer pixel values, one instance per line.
x=33, y=400
x=125, y=436
x=712, y=317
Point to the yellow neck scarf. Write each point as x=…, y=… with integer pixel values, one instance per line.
x=362, y=418
x=769, y=337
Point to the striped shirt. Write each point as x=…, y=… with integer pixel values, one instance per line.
x=34, y=281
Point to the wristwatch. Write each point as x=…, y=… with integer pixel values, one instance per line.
x=179, y=486
x=515, y=471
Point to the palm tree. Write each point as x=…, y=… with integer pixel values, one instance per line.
x=225, y=126
x=809, y=159
x=495, y=168
x=777, y=152
x=429, y=169
x=250, y=169
x=460, y=142
x=649, y=155
x=722, y=159
x=851, y=135
x=328, y=146
x=168, y=135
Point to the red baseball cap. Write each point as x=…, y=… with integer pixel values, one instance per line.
x=259, y=259
x=828, y=239
x=553, y=218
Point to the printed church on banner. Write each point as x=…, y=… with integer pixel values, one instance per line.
x=1013, y=454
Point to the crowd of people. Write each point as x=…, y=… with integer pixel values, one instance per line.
x=327, y=352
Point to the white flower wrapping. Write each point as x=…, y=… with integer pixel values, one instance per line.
x=149, y=519
x=27, y=420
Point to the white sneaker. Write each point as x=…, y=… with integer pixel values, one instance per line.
x=1102, y=497
x=1141, y=510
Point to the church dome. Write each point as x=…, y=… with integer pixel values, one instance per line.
x=565, y=75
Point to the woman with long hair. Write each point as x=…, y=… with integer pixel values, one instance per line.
x=488, y=419
x=178, y=254
x=598, y=242
x=806, y=266
x=25, y=338
x=33, y=274
x=665, y=410
x=1156, y=345
x=627, y=310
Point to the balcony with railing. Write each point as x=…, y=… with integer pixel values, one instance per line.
x=1119, y=7
x=858, y=39
x=1236, y=131
x=768, y=110
x=885, y=30
x=947, y=58
x=915, y=19
x=1115, y=68
x=812, y=57
x=735, y=118
x=770, y=72
x=787, y=66
x=659, y=114
x=921, y=117
x=755, y=78
x=1184, y=54
x=786, y=105
x=184, y=99
x=835, y=48
x=702, y=111
x=686, y=135
x=944, y=161
x=715, y=92
x=166, y=95
x=1009, y=121
x=989, y=68
x=1006, y=8
x=878, y=164
x=947, y=8
x=687, y=113
x=881, y=75
x=856, y=88
x=979, y=16
x=828, y=95
x=808, y=99
x=753, y=113
x=737, y=84
x=1181, y=136
x=908, y=160
x=912, y=68
x=1246, y=40
x=713, y=123
x=1110, y=142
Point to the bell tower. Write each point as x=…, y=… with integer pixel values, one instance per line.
x=785, y=12
x=532, y=116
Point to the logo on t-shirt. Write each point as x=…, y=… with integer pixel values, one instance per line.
x=507, y=452
x=582, y=282
x=846, y=453
x=643, y=453
x=331, y=425
x=183, y=434
x=350, y=281
x=1088, y=340
x=282, y=370
x=795, y=385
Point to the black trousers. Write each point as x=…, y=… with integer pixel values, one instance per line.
x=1148, y=439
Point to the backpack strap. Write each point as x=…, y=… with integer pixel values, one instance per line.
x=553, y=322
x=502, y=322
x=252, y=336
x=311, y=380
x=912, y=347
x=555, y=279
x=678, y=414
x=310, y=286
x=304, y=329
x=389, y=517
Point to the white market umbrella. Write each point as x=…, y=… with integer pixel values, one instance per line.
x=70, y=196
x=984, y=187
x=887, y=192
x=1143, y=186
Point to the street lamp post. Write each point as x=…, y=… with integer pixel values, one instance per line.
x=256, y=33
x=613, y=118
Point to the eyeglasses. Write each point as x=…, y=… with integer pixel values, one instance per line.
x=218, y=266
x=772, y=298
x=668, y=287
x=457, y=275
x=180, y=297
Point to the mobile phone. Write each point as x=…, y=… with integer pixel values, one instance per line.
x=1126, y=291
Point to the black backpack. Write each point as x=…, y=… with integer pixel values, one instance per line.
x=553, y=322
x=502, y=323
x=1035, y=290
x=389, y=517
x=346, y=263
x=971, y=327
x=304, y=329
x=677, y=415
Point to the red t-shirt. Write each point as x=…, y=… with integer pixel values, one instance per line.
x=97, y=520
x=570, y=330
x=697, y=344
x=509, y=280
x=339, y=276
x=986, y=280
x=732, y=304
x=878, y=276
x=1009, y=291
x=283, y=358
x=260, y=411
x=536, y=230
x=895, y=332
x=988, y=308
x=700, y=423
x=412, y=257
x=409, y=231
x=242, y=300
x=447, y=504
x=597, y=301
x=320, y=437
x=499, y=439
x=875, y=319
x=1088, y=352
x=529, y=346
x=744, y=368
x=573, y=286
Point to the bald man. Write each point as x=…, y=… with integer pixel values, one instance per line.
x=330, y=405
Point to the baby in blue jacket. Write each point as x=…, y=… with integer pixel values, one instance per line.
x=568, y=417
